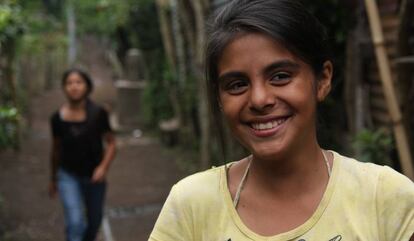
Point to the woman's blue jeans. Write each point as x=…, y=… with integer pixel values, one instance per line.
x=83, y=205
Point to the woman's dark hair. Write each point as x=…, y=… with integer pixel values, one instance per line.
x=85, y=76
x=286, y=21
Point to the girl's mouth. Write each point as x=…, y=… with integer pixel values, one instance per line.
x=268, y=125
x=268, y=128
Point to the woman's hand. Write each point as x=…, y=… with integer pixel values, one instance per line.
x=52, y=189
x=100, y=171
x=99, y=174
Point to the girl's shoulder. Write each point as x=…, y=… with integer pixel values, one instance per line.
x=211, y=176
x=382, y=179
x=366, y=170
x=205, y=184
x=55, y=116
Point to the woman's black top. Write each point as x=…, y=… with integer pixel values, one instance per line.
x=81, y=148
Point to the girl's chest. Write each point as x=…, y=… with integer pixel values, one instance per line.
x=330, y=225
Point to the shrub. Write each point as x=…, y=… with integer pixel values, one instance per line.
x=9, y=117
x=374, y=146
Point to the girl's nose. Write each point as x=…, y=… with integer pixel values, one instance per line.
x=261, y=97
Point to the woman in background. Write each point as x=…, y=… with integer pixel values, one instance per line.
x=79, y=160
x=268, y=66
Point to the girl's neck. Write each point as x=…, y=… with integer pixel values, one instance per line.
x=298, y=170
x=76, y=105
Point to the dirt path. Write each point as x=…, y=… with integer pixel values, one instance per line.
x=139, y=180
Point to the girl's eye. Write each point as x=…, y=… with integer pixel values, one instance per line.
x=280, y=78
x=236, y=87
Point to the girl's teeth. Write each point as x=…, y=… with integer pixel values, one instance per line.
x=269, y=125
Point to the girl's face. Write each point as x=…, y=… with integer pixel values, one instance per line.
x=269, y=96
x=75, y=87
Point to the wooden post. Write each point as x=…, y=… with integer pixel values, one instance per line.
x=389, y=91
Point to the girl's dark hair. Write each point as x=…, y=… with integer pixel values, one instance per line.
x=286, y=21
x=85, y=76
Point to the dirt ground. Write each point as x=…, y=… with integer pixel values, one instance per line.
x=139, y=180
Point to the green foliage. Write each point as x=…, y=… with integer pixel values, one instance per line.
x=156, y=100
x=142, y=31
x=54, y=7
x=26, y=31
x=143, y=26
x=336, y=15
x=26, y=18
x=11, y=22
x=101, y=17
x=374, y=146
x=9, y=117
x=43, y=33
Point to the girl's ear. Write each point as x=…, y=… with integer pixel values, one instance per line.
x=324, y=82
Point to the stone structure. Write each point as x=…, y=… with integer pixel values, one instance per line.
x=129, y=92
x=135, y=67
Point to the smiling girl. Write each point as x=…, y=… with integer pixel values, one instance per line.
x=268, y=66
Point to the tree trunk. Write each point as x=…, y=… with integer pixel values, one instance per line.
x=166, y=33
x=71, y=25
x=168, y=41
x=188, y=28
x=187, y=17
x=180, y=67
x=200, y=13
x=9, y=53
x=9, y=77
x=179, y=43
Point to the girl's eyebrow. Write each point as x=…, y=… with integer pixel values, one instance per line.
x=281, y=64
x=231, y=75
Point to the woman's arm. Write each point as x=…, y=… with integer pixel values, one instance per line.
x=54, y=163
x=100, y=171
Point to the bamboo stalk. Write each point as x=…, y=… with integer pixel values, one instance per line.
x=389, y=91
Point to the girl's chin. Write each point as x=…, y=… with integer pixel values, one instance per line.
x=76, y=99
x=268, y=153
